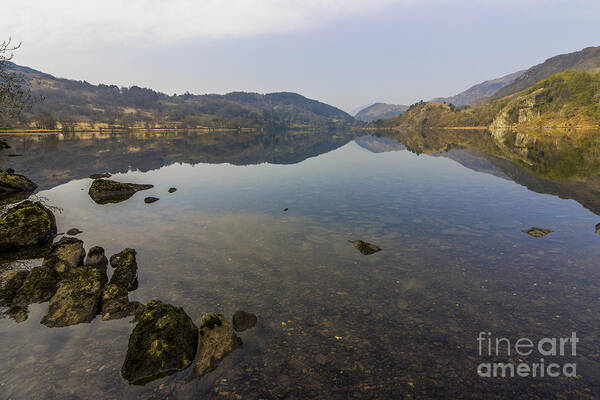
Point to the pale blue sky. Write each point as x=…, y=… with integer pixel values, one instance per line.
x=345, y=53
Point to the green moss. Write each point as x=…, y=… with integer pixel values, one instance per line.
x=26, y=224
x=10, y=283
x=38, y=287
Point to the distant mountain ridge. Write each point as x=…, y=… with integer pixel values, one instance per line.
x=587, y=59
x=380, y=111
x=480, y=91
x=78, y=104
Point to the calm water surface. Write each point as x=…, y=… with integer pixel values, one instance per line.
x=333, y=323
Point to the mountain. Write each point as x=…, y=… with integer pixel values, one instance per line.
x=480, y=91
x=379, y=111
x=71, y=104
x=587, y=59
x=567, y=99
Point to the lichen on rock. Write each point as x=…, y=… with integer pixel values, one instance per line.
x=39, y=286
x=76, y=300
x=65, y=255
x=163, y=342
x=125, y=266
x=10, y=283
x=116, y=304
x=537, y=232
x=97, y=259
x=365, y=247
x=25, y=225
x=11, y=182
x=104, y=191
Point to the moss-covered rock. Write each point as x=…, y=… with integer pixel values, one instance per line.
x=365, y=247
x=598, y=229
x=97, y=259
x=163, y=342
x=76, y=300
x=125, y=266
x=104, y=191
x=537, y=232
x=39, y=286
x=216, y=339
x=10, y=283
x=11, y=182
x=65, y=255
x=116, y=304
x=26, y=224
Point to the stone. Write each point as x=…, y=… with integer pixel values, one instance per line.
x=125, y=273
x=26, y=224
x=598, y=229
x=365, y=247
x=163, y=342
x=76, y=300
x=97, y=259
x=172, y=190
x=149, y=200
x=11, y=182
x=116, y=304
x=65, y=255
x=243, y=320
x=104, y=191
x=39, y=286
x=285, y=209
x=100, y=176
x=10, y=283
x=537, y=232
x=216, y=339
x=74, y=232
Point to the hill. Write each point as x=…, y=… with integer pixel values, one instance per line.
x=566, y=99
x=70, y=104
x=587, y=59
x=480, y=91
x=380, y=111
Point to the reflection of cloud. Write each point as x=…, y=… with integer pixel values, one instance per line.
x=168, y=21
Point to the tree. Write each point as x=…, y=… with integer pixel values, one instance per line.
x=15, y=96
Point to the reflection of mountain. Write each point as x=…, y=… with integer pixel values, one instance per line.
x=50, y=160
x=378, y=144
x=567, y=166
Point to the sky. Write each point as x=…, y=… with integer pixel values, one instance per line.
x=345, y=53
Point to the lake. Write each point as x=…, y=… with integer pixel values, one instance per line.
x=447, y=210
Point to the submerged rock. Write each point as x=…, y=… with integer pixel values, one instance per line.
x=39, y=286
x=65, y=255
x=365, y=247
x=243, y=320
x=100, y=176
x=11, y=182
x=26, y=224
x=537, y=232
x=10, y=283
x=104, y=191
x=149, y=200
x=125, y=266
x=76, y=300
x=74, y=232
x=116, y=304
x=163, y=342
x=216, y=339
x=172, y=190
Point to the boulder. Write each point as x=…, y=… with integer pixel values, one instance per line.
x=39, y=286
x=11, y=182
x=243, y=320
x=125, y=266
x=116, y=304
x=76, y=300
x=97, y=259
x=172, y=190
x=216, y=339
x=149, y=200
x=537, y=232
x=104, y=191
x=10, y=283
x=65, y=255
x=365, y=247
x=26, y=224
x=74, y=232
x=163, y=342
x=100, y=176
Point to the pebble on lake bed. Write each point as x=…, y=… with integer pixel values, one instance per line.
x=365, y=247
x=537, y=232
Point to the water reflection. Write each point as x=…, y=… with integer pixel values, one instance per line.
x=332, y=322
